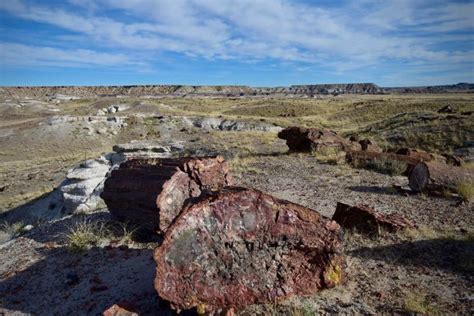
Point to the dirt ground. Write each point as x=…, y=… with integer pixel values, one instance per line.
x=427, y=269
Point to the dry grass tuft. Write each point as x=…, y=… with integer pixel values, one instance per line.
x=386, y=166
x=466, y=191
x=13, y=229
x=332, y=156
x=84, y=235
x=416, y=302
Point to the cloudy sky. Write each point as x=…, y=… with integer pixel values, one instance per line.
x=251, y=42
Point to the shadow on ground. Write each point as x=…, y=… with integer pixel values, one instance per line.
x=85, y=283
x=376, y=189
x=446, y=254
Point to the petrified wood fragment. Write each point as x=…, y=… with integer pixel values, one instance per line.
x=357, y=158
x=438, y=176
x=301, y=139
x=369, y=145
x=241, y=246
x=150, y=193
x=367, y=220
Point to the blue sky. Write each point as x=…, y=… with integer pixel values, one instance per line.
x=244, y=42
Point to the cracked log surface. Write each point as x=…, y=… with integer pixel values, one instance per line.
x=151, y=193
x=241, y=246
x=432, y=175
x=367, y=220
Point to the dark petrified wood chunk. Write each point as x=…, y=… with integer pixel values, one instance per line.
x=241, y=246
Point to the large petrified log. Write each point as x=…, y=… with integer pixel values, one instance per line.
x=367, y=220
x=420, y=155
x=241, y=246
x=362, y=158
x=438, y=176
x=152, y=192
x=301, y=139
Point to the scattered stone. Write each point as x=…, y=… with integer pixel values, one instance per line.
x=152, y=192
x=239, y=247
x=366, y=219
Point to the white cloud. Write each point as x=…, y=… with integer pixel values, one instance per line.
x=364, y=33
x=24, y=55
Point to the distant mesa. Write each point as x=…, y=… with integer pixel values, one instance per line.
x=153, y=91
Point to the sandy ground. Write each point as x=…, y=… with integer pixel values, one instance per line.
x=428, y=269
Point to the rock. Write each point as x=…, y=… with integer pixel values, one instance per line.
x=367, y=220
x=436, y=176
x=466, y=152
x=239, y=247
x=84, y=184
x=117, y=310
x=220, y=124
x=27, y=228
x=369, y=145
x=301, y=139
x=151, y=193
x=447, y=109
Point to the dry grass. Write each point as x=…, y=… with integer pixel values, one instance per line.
x=13, y=229
x=416, y=302
x=84, y=235
x=241, y=165
x=466, y=191
x=331, y=156
x=386, y=166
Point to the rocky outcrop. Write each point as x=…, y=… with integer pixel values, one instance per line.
x=151, y=193
x=345, y=88
x=220, y=124
x=66, y=93
x=366, y=219
x=240, y=246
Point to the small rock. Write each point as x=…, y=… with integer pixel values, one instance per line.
x=27, y=228
x=117, y=310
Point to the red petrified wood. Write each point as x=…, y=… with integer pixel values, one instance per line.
x=301, y=139
x=433, y=176
x=152, y=192
x=240, y=247
x=117, y=310
x=367, y=220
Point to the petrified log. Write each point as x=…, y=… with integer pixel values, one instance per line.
x=357, y=158
x=150, y=193
x=438, y=176
x=301, y=139
x=367, y=220
x=241, y=246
